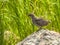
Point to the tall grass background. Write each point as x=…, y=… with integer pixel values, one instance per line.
x=15, y=24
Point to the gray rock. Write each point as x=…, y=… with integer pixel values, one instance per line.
x=42, y=37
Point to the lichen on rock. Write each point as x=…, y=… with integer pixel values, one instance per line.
x=42, y=37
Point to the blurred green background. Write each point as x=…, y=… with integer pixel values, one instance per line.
x=15, y=24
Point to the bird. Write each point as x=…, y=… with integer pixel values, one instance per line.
x=38, y=21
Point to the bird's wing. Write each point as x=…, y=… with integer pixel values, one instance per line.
x=41, y=21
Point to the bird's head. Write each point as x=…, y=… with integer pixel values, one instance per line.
x=31, y=15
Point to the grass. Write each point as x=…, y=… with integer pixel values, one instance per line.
x=15, y=22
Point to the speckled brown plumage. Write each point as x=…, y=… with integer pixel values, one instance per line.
x=39, y=22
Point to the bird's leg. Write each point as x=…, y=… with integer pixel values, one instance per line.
x=39, y=28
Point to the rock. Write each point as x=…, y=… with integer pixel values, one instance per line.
x=42, y=37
